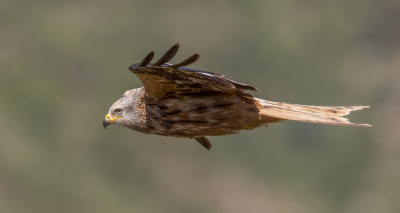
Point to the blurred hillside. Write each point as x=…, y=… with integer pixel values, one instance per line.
x=63, y=63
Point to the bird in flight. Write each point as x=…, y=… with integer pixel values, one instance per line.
x=182, y=102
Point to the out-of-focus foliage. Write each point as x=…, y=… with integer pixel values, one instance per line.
x=63, y=63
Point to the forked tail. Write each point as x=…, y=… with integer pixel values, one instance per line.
x=311, y=114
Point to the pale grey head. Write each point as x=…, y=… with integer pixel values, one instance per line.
x=128, y=110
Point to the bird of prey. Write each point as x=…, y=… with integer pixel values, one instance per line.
x=182, y=102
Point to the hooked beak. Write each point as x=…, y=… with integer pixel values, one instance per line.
x=106, y=122
x=109, y=120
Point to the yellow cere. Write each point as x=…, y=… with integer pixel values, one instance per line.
x=112, y=119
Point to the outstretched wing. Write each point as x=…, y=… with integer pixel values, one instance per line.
x=161, y=79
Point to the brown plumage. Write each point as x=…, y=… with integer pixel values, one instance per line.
x=182, y=102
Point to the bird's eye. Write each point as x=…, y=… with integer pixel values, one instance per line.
x=118, y=111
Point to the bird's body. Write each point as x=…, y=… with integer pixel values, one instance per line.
x=197, y=115
x=182, y=102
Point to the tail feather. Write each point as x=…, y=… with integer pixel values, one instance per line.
x=312, y=114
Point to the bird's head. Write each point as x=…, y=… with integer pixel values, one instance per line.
x=126, y=110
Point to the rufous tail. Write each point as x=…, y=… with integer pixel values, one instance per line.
x=275, y=111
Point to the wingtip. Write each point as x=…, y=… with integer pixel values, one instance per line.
x=196, y=56
x=144, y=62
x=186, y=62
x=167, y=56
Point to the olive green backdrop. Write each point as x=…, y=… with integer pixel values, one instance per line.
x=63, y=63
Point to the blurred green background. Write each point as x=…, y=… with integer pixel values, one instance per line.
x=63, y=63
